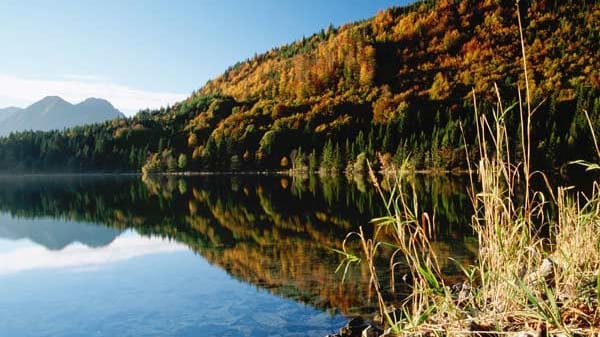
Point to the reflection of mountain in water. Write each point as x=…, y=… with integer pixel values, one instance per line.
x=55, y=234
x=274, y=232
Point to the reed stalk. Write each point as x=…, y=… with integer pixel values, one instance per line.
x=523, y=280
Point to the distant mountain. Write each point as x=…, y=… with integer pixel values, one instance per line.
x=7, y=112
x=53, y=113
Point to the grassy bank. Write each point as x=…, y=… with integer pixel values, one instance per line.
x=539, y=249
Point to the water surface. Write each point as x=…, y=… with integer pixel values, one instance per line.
x=196, y=256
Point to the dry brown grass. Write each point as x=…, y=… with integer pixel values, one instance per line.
x=524, y=280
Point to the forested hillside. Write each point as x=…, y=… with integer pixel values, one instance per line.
x=398, y=84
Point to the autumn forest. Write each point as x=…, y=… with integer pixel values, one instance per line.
x=401, y=85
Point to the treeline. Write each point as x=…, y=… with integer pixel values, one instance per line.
x=398, y=84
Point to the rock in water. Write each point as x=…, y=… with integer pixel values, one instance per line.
x=372, y=331
x=359, y=327
x=354, y=328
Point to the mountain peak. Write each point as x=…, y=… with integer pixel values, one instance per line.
x=93, y=104
x=54, y=113
x=49, y=103
x=9, y=110
x=96, y=102
x=95, y=99
x=52, y=99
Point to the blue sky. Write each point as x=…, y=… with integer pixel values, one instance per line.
x=148, y=53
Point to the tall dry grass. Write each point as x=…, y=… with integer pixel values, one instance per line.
x=524, y=280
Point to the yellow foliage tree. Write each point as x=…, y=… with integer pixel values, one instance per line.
x=440, y=89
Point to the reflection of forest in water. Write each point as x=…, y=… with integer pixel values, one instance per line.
x=272, y=231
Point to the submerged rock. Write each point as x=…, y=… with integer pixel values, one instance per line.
x=359, y=327
x=372, y=331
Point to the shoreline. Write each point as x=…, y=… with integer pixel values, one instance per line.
x=288, y=173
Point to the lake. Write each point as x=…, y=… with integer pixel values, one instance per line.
x=197, y=256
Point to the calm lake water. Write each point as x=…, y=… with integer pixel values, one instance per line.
x=195, y=256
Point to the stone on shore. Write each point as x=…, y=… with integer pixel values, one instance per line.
x=359, y=327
